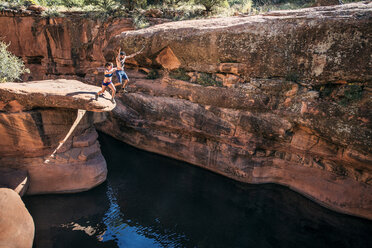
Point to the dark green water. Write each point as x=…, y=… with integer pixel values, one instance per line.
x=153, y=201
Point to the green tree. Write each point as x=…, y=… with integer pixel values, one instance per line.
x=11, y=67
x=209, y=4
x=107, y=5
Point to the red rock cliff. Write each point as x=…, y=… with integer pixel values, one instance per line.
x=59, y=46
x=293, y=104
x=34, y=118
x=288, y=99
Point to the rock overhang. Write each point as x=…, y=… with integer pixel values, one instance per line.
x=58, y=93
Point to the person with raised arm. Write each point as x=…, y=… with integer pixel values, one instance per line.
x=120, y=73
x=107, y=81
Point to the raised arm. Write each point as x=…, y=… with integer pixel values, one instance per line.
x=118, y=57
x=135, y=54
x=118, y=64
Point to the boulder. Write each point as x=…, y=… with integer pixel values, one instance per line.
x=16, y=226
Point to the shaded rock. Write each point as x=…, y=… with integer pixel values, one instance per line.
x=16, y=180
x=66, y=176
x=29, y=137
x=16, y=226
x=60, y=93
x=86, y=139
x=247, y=146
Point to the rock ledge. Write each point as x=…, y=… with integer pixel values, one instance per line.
x=60, y=93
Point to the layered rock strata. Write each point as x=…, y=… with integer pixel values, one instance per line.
x=32, y=123
x=67, y=46
x=315, y=45
x=283, y=97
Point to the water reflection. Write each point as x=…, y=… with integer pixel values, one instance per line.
x=153, y=201
x=122, y=231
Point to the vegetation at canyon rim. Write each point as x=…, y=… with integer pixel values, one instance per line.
x=11, y=67
x=169, y=9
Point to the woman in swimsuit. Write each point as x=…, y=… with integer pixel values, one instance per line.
x=107, y=81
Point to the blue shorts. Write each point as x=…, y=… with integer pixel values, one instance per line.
x=106, y=84
x=121, y=74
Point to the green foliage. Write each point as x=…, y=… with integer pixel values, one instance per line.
x=133, y=4
x=209, y=4
x=206, y=79
x=11, y=67
x=139, y=21
x=72, y=3
x=179, y=74
x=52, y=12
x=243, y=6
x=106, y=5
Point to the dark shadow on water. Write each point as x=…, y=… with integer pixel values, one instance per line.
x=153, y=201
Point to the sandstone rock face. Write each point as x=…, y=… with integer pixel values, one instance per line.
x=59, y=46
x=318, y=45
x=61, y=93
x=29, y=136
x=28, y=139
x=310, y=131
x=16, y=226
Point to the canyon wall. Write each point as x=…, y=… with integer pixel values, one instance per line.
x=34, y=118
x=283, y=97
x=51, y=47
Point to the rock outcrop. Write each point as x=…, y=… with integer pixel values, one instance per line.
x=68, y=46
x=283, y=97
x=16, y=226
x=317, y=45
x=35, y=117
x=59, y=93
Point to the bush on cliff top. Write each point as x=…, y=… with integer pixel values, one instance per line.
x=11, y=67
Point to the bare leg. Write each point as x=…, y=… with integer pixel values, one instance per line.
x=113, y=91
x=101, y=91
x=126, y=81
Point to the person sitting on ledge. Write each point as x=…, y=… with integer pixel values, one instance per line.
x=107, y=81
x=120, y=73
